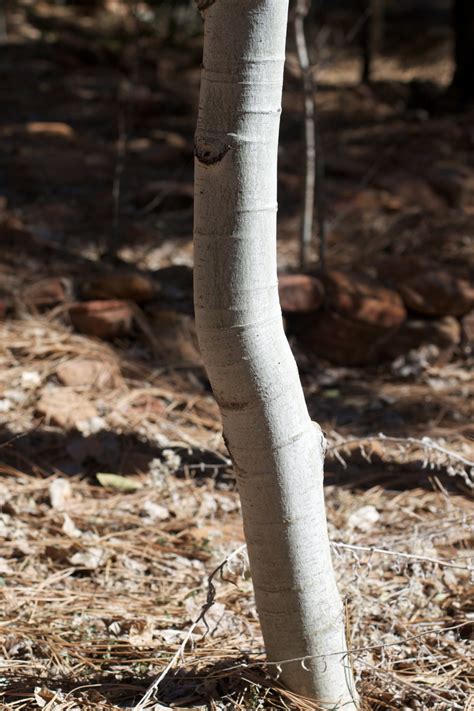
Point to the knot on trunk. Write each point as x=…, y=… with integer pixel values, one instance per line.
x=204, y=4
x=210, y=152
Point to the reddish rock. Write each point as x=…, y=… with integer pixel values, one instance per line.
x=47, y=292
x=103, y=319
x=363, y=300
x=341, y=340
x=129, y=286
x=359, y=317
x=426, y=288
x=300, y=293
x=444, y=334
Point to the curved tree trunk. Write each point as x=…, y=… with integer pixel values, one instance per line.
x=277, y=451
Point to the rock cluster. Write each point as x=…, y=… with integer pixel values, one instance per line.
x=360, y=320
x=343, y=316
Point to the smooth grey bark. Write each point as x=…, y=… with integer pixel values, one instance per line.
x=277, y=451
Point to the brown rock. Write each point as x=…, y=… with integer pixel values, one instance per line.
x=129, y=286
x=47, y=292
x=359, y=317
x=340, y=339
x=103, y=319
x=428, y=289
x=300, y=293
x=363, y=300
x=86, y=371
x=64, y=408
x=444, y=334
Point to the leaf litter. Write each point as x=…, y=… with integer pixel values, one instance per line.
x=105, y=577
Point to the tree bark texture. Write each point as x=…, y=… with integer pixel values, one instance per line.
x=277, y=451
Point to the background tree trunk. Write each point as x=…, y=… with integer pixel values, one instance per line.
x=463, y=23
x=371, y=35
x=277, y=451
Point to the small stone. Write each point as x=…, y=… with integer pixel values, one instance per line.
x=79, y=372
x=364, y=518
x=90, y=559
x=155, y=512
x=30, y=379
x=5, y=405
x=300, y=293
x=64, y=408
x=60, y=494
x=103, y=319
x=427, y=288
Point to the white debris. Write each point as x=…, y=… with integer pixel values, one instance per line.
x=364, y=518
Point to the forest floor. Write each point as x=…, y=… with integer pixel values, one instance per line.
x=122, y=558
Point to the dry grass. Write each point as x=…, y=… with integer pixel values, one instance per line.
x=100, y=587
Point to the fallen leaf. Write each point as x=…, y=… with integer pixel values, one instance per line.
x=117, y=482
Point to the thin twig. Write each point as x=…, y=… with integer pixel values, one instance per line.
x=369, y=647
x=399, y=554
x=424, y=443
x=210, y=599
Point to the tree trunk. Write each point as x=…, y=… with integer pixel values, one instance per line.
x=371, y=35
x=301, y=11
x=276, y=450
x=463, y=23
